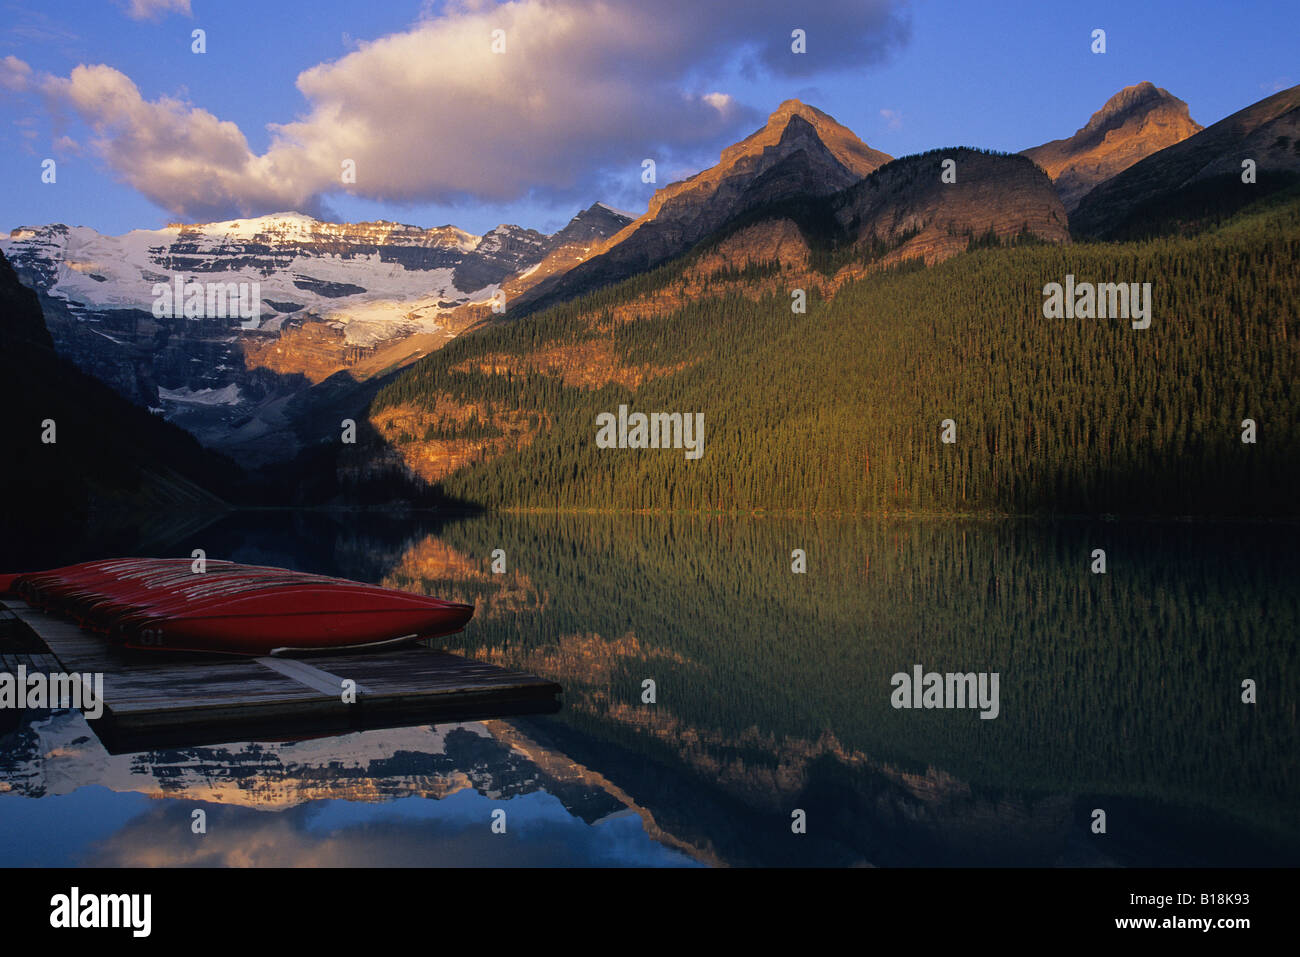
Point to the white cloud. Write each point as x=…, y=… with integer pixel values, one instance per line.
x=15, y=75
x=156, y=9
x=585, y=89
x=893, y=119
x=183, y=158
x=722, y=102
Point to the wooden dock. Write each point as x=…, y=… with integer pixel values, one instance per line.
x=155, y=699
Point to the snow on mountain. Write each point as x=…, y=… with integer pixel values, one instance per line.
x=297, y=262
x=227, y=396
x=373, y=272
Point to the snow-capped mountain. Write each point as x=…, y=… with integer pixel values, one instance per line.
x=316, y=299
x=333, y=270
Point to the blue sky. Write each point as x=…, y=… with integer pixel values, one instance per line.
x=146, y=132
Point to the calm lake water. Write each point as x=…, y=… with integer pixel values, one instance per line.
x=1119, y=691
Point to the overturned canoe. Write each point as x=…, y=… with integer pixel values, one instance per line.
x=229, y=608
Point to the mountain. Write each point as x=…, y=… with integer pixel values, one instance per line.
x=838, y=409
x=689, y=306
x=353, y=286
x=499, y=253
x=785, y=210
x=583, y=236
x=515, y=258
x=1200, y=177
x=1134, y=123
x=345, y=307
x=804, y=181
x=300, y=263
x=358, y=298
x=907, y=207
x=800, y=153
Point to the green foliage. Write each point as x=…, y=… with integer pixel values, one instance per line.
x=840, y=409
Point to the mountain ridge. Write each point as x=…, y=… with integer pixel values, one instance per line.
x=1200, y=173
x=818, y=155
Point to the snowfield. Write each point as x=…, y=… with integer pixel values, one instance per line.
x=285, y=253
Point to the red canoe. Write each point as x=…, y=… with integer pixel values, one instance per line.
x=162, y=604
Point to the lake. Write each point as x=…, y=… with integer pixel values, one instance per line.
x=722, y=709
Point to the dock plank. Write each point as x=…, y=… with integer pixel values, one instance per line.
x=194, y=697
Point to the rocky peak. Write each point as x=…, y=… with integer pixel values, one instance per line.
x=596, y=222
x=799, y=153
x=842, y=142
x=502, y=251
x=792, y=127
x=1134, y=123
x=1140, y=98
x=508, y=237
x=1198, y=176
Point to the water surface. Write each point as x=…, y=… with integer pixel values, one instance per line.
x=1118, y=691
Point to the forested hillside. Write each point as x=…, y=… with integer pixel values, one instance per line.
x=840, y=409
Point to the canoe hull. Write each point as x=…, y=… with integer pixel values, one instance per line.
x=164, y=605
x=276, y=634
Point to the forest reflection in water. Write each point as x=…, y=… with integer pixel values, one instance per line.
x=1119, y=691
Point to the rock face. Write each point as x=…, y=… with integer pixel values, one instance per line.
x=1134, y=123
x=594, y=224
x=500, y=252
x=799, y=154
x=771, y=241
x=905, y=210
x=1201, y=172
x=573, y=245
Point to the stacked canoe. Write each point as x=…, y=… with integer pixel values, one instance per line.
x=230, y=608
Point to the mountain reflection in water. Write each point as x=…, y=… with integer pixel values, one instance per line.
x=1118, y=691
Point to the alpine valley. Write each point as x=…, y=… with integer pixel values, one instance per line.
x=922, y=279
